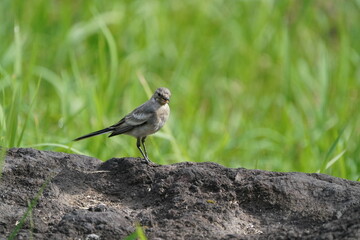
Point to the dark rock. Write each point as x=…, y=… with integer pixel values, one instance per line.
x=92, y=237
x=85, y=198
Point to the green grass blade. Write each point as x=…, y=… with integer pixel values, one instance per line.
x=28, y=212
x=57, y=145
x=29, y=113
x=327, y=162
x=137, y=235
x=334, y=159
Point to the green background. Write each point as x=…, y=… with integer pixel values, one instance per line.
x=272, y=85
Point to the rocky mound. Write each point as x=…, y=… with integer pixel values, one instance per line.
x=84, y=198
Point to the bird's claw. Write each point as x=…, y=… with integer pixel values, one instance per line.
x=146, y=160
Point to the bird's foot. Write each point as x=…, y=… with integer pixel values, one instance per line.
x=147, y=160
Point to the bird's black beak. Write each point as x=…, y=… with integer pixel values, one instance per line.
x=166, y=100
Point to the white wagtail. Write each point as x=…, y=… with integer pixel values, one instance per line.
x=146, y=119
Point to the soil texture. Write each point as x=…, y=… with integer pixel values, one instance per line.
x=85, y=198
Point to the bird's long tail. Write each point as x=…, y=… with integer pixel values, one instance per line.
x=102, y=131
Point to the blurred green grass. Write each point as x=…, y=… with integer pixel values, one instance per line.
x=272, y=85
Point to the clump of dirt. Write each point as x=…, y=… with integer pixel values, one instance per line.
x=85, y=198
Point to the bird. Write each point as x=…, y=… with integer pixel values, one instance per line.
x=144, y=120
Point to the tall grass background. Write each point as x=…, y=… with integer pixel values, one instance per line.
x=269, y=84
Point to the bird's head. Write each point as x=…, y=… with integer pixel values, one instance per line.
x=162, y=95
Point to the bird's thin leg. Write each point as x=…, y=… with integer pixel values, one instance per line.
x=143, y=144
x=138, y=144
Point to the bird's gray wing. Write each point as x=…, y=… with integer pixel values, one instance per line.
x=136, y=118
x=140, y=115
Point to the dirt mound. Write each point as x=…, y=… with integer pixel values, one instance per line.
x=85, y=198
